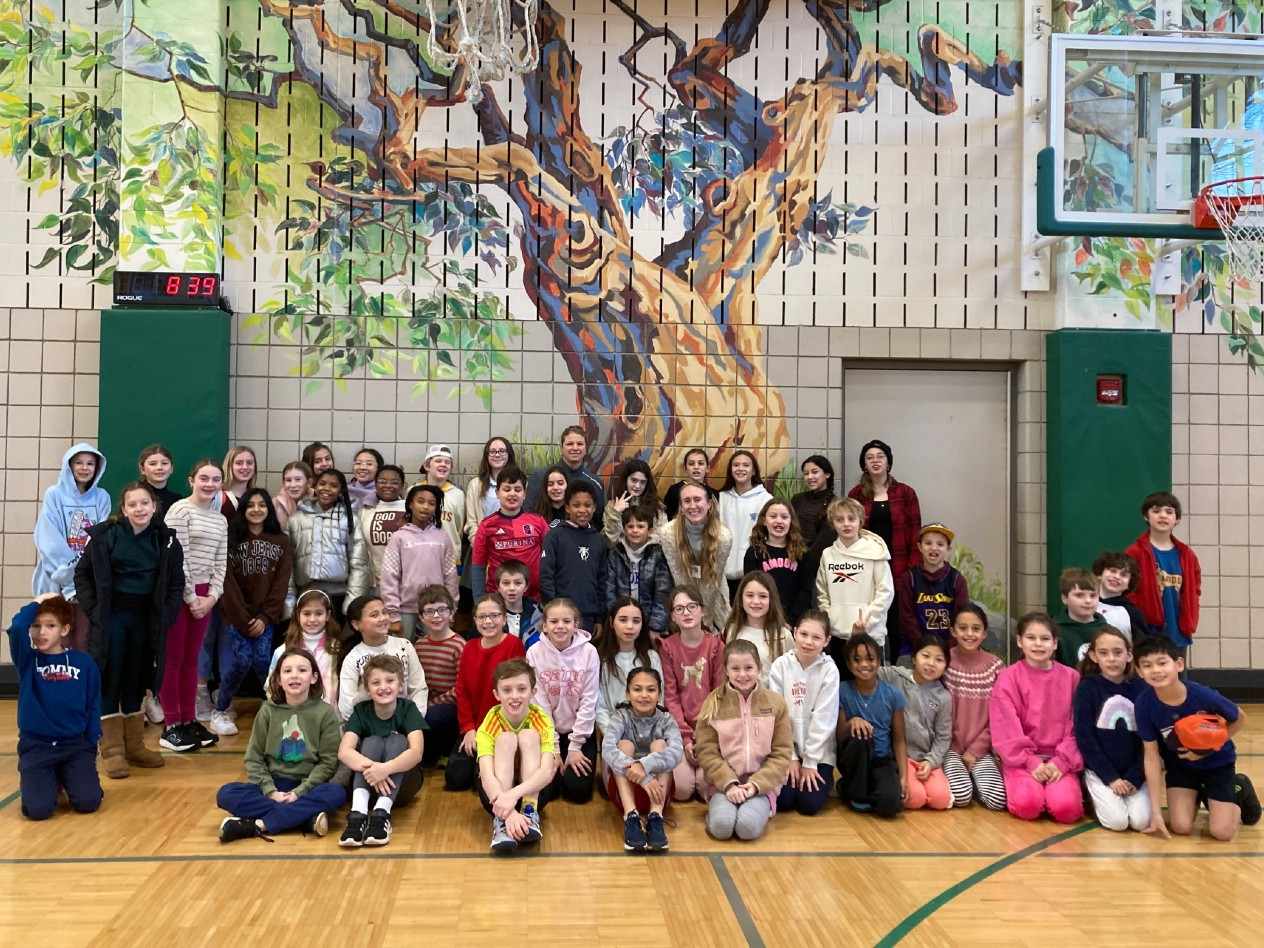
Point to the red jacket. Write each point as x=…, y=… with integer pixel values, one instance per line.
x=1147, y=596
x=906, y=520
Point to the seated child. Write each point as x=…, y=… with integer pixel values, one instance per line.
x=757, y=617
x=641, y=747
x=517, y=758
x=970, y=766
x=59, y=710
x=638, y=569
x=927, y=723
x=522, y=615
x=575, y=558
x=872, y=755
x=1079, y=617
x=439, y=652
x=930, y=593
x=368, y=617
x=693, y=667
x=1030, y=717
x=1189, y=774
x=1114, y=772
x=1116, y=575
x=744, y=771
x=290, y=760
x=382, y=746
x=625, y=645
x=567, y=680
x=808, y=681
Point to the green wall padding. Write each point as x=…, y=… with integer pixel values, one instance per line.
x=1103, y=459
x=164, y=377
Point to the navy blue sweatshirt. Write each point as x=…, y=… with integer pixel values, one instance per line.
x=573, y=565
x=59, y=696
x=1106, y=728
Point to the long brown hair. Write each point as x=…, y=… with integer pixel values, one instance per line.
x=1087, y=664
x=774, y=623
x=276, y=694
x=333, y=634
x=707, y=562
x=608, y=644
x=795, y=547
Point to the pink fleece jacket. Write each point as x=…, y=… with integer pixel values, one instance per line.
x=567, y=684
x=415, y=558
x=1030, y=717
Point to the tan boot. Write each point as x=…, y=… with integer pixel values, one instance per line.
x=134, y=742
x=112, y=758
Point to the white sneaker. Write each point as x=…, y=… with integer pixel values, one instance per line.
x=231, y=712
x=152, y=708
x=222, y=724
x=203, y=709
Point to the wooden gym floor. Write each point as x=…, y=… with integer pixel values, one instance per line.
x=149, y=864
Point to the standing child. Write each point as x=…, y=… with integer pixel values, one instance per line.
x=517, y=757
x=480, y=493
x=1187, y=731
x=970, y=766
x=1030, y=717
x=1116, y=575
x=1114, y=769
x=290, y=760
x=435, y=470
x=741, y=499
x=370, y=620
x=314, y=629
x=930, y=593
x=810, y=504
x=255, y=584
x=696, y=546
x=693, y=667
x=363, y=484
x=696, y=465
x=382, y=746
x=551, y=504
x=776, y=547
x=321, y=532
x=296, y=483
x=808, y=681
x=927, y=723
x=508, y=534
x=632, y=486
x=240, y=467
x=638, y=569
x=70, y=507
x=155, y=465
x=202, y=533
x=641, y=748
x=1079, y=618
x=474, y=686
x=522, y=615
x=624, y=646
x=567, y=673
x=853, y=582
x=744, y=745
x=59, y=717
x=418, y=555
x=575, y=558
x=757, y=618
x=439, y=651
x=1169, y=577
x=374, y=528
x=872, y=754
x=319, y=457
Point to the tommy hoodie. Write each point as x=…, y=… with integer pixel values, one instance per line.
x=739, y=512
x=856, y=579
x=416, y=557
x=61, y=532
x=567, y=684
x=811, y=696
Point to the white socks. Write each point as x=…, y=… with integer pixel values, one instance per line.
x=383, y=804
x=360, y=800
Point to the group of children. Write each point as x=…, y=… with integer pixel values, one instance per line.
x=653, y=660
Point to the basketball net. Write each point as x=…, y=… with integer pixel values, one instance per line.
x=1237, y=207
x=485, y=41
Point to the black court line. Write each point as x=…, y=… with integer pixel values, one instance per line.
x=10, y=798
x=740, y=912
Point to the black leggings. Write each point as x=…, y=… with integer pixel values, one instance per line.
x=872, y=782
x=129, y=662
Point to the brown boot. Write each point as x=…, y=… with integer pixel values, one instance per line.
x=112, y=758
x=134, y=742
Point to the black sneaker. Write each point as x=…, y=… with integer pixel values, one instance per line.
x=204, y=737
x=353, y=835
x=234, y=828
x=633, y=834
x=656, y=833
x=1248, y=802
x=178, y=738
x=379, y=831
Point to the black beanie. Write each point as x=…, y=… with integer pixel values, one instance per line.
x=881, y=445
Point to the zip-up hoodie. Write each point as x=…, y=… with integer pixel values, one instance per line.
x=927, y=714
x=739, y=512
x=653, y=581
x=257, y=579
x=374, y=528
x=61, y=532
x=416, y=557
x=854, y=579
x=295, y=741
x=642, y=731
x=811, y=696
x=322, y=545
x=1030, y=717
x=744, y=740
x=573, y=564
x=567, y=684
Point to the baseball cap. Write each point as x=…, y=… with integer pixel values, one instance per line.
x=438, y=451
x=936, y=527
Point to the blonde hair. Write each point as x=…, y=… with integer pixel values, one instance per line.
x=230, y=457
x=849, y=504
x=708, y=561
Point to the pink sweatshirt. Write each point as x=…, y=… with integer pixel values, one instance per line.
x=415, y=558
x=970, y=677
x=689, y=675
x=567, y=684
x=1030, y=717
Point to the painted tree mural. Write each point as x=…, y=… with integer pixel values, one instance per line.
x=381, y=230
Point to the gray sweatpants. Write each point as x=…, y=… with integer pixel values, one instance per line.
x=382, y=749
x=745, y=820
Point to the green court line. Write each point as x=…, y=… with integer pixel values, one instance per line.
x=929, y=908
x=10, y=798
x=744, y=921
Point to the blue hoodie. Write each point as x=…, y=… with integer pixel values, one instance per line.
x=61, y=532
x=59, y=696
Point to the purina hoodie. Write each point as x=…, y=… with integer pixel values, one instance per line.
x=61, y=532
x=567, y=684
x=856, y=580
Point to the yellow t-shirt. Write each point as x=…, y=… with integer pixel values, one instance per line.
x=496, y=724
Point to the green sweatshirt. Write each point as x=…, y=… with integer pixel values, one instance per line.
x=1074, y=637
x=299, y=742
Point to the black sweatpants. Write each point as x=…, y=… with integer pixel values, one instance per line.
x=868, y=782
x=129, y=663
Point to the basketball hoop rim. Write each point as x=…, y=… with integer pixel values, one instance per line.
x=1204, y=216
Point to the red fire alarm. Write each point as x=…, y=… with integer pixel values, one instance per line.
x=1110, y=390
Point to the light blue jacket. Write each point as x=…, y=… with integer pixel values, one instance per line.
x=61, y=532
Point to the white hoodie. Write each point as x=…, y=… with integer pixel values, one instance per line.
x=739, y=512
x=856, y=579
x=812, y=699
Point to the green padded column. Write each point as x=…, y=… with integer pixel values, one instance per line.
x=1103, y=459
x=164, y=377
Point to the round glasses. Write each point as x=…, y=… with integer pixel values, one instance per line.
x=686, y=608
x=434, y=612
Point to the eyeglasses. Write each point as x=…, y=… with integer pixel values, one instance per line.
x=496, y=451
x=686, y=608
x=434, y=612
x=485, y=616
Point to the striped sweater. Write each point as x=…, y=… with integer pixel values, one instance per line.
x=969, y=679
x=439, y=660
x=203, y=535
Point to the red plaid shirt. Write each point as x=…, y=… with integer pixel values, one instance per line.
x=906, y=520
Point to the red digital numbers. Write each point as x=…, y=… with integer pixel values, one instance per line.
x=208, y=286
x=200, y=286
x=173, y=285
